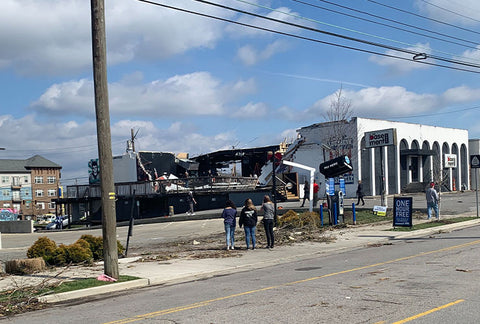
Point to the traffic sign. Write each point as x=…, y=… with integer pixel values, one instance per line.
x=474, y=161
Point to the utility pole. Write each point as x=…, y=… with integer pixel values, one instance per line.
x=107, y=187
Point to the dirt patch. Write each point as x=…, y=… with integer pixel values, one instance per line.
x=213, y=246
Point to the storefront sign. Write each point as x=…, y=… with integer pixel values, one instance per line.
x=336, y=167
x=382, y=137
x=450, y=160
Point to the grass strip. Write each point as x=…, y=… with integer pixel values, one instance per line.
x=431, y=224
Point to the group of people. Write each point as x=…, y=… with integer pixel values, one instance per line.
x=248, y=220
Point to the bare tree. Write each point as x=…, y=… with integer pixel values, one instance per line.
x=339, y=114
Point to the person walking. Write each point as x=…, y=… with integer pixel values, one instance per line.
x=191, y=202
x=432, y=201
x=306, y=193
x=360, y=193
x=229, y=215
x=268, y=220
x=248, y=219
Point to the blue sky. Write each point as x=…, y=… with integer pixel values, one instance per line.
x=192, y=84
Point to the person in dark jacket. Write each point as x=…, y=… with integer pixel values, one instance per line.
x=360, y=193
x=248, y=219
x=229, y=215
x=306, y=192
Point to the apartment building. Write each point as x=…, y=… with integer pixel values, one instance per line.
x=28, y=187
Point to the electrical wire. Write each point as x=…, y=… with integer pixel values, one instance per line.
x=356, y=31
x=315, y=40
x=64, y=150
x=423, y=17
x=407, y=51
x=437, y=113
x=450, y=11
x=396, y=22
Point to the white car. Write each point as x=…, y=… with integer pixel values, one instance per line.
x=55, y=224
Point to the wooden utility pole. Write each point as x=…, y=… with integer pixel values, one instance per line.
x=107, y=187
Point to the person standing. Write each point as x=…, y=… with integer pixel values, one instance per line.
x=432, y=201
x=229, y=215
x=268, y=220
x=360, y=193
x=316, y=189
x=248, y=219
x=306, y=193
x=191, y=202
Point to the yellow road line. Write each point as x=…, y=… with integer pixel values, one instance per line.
x=429, y=312
x=206, y=302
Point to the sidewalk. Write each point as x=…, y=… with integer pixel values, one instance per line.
x=184, y=270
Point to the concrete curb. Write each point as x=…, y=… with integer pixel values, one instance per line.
x=76, y=294
x=156, y=280
x=436, y=229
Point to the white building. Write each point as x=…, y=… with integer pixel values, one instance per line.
x=416, y=155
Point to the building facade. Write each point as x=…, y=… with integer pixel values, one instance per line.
x=416, y=155
x=28, y=187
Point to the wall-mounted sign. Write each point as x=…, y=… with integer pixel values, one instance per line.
x=336, y=167
x=450, y=160
x=93, y=171
x=330, y=186
x=384, y=137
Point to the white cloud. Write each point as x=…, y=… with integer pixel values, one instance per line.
x=282, y=14
x=289, y=134
x=54, y=37
x=471, y=55
x=181, y=95
x=405, y=65
x=386, y=102
x=461, y=94
x=72, y=144
x=252, y=110
x=249, y=56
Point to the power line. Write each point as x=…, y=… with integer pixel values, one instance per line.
x=415, y=54
x=82, y=148
x=438, y=113
x=399, y=23
x=410, y=52
x=423, y=17
x=450, y=11
x=359, y=32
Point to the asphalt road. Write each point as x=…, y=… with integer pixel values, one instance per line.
x=423, y=280
x=15, y=246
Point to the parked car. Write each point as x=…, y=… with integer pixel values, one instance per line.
x=45, y=219
x=59, y=223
